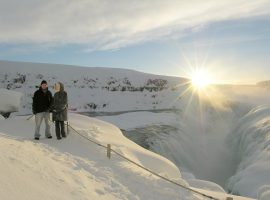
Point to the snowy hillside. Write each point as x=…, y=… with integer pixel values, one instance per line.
x=93, y=89
x=77, y=169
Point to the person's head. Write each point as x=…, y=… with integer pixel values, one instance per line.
x=44, y=85
x=57, y=87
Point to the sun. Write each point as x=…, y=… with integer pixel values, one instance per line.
x=200, y=79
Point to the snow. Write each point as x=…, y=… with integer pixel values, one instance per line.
x=250, y=138
x=132, y=120
x=76, y=169
x=73, y=168
x=204, y=142
x=106, y=133
x=193, y=146
x=246, y=182
x=206, y=185
x=244, y=154
x=264, y=192
x=93, y=89
x=33, y=171
x=10, y=100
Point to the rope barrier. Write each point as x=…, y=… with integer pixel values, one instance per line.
x=142, y=167
x=138, y=165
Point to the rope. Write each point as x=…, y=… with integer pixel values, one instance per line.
x=140, y=166
x=144, y=168
x=87, y=138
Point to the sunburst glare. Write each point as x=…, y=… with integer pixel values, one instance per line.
x=200, y=79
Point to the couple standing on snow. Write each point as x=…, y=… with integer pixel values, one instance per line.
x=44, y=103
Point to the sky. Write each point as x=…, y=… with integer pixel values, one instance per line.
x=229, y=39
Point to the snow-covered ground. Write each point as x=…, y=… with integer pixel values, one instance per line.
x=204, y=145
x=76, y=169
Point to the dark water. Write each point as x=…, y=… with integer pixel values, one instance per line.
x=147, y=137
x=96, y=114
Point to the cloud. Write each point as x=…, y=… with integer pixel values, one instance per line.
x=105, y=24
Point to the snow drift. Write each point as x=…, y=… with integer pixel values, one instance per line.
x=10, y=101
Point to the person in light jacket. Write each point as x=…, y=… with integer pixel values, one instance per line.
x=60, y=107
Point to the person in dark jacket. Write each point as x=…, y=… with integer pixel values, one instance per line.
x=42, y=101
x=60, y=107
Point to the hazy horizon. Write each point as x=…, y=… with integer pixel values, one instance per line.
x=71, y=65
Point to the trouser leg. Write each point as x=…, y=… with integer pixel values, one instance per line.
x=47, y=124
x=63, y=132
x=57, y=129
x=38, y=121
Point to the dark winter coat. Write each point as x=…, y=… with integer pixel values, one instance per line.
x=42, y=101
x=60, y=105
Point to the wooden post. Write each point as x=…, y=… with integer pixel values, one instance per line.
x=229, y=198
x=109, y=151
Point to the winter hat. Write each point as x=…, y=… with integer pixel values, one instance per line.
x=43, y=82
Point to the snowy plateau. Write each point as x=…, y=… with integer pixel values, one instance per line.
x=216, y=143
